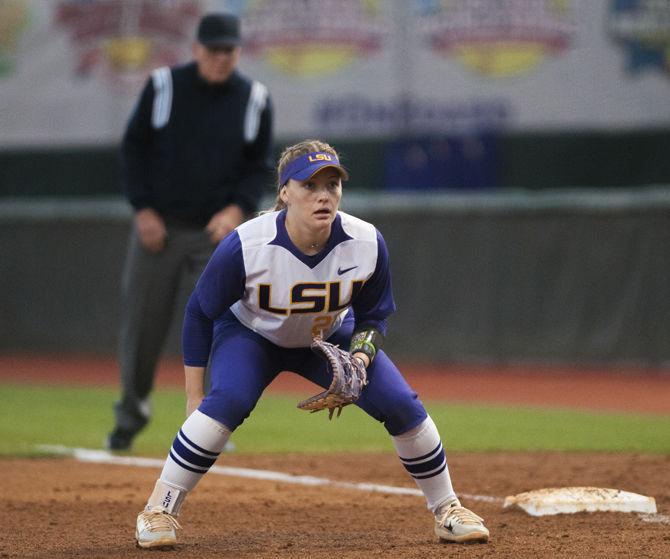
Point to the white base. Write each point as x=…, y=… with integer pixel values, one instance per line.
x=567, y=500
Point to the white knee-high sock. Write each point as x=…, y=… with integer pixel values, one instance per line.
x=194, y=450
x=422, y=455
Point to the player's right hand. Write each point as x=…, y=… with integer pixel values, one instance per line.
x=192, y=404
x=194, y=383
x=151, y=229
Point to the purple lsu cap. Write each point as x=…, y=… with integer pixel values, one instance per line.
x=306, y=166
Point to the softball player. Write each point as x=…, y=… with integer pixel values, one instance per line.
x=302, y=270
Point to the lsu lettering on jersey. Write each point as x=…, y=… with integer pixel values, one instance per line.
x=284, y=295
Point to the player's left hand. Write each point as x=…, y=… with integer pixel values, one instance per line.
x=223, y=222
x=349, y=378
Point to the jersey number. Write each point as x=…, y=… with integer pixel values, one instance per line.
x=321, y=323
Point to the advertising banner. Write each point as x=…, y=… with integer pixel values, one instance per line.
x=71, y=70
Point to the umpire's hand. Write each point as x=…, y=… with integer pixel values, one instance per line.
x=223, y=222
x=151, y=229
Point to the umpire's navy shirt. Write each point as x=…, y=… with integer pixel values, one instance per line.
x=198, y=162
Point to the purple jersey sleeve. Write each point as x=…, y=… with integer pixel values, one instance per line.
x=220, y=285
x=375, y=301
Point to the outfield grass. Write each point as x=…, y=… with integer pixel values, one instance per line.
x=81, y=416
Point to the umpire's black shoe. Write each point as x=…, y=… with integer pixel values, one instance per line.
x=120, y=439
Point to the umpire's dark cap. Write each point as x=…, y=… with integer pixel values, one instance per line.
x=219, y=30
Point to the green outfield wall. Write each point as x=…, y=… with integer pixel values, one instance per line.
x=532, y=161
x=573, y=276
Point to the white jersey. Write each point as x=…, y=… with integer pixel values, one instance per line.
x=286, y=296
x=288, y=299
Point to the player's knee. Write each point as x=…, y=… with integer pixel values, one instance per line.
x=404, y=413
x=226, y=407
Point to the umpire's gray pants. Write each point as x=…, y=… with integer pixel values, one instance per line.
x=150, y=289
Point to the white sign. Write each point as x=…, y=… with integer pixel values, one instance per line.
x=71, y=70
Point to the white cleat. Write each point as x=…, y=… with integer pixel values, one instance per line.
x=454, y=523
x=156, y=528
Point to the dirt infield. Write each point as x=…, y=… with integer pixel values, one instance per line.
x=61, y=508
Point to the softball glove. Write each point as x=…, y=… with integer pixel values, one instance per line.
x=349, y=378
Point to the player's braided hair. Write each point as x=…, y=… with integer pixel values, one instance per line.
x=291, y=153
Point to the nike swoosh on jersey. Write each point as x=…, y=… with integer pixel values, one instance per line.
x=340, y=271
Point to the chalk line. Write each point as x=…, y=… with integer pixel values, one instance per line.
x=106, y=457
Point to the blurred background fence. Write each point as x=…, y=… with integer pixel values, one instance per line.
x=515, y=155
x=552, y=276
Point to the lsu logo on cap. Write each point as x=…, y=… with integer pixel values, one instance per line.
x=320, y=157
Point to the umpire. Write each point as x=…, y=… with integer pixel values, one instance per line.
x=195, y=157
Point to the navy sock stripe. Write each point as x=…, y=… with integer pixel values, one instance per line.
x=215, y=455
x=438, y=472
x=189, y=456
x=410, y=460
x=185, y=466
x=426, y=466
